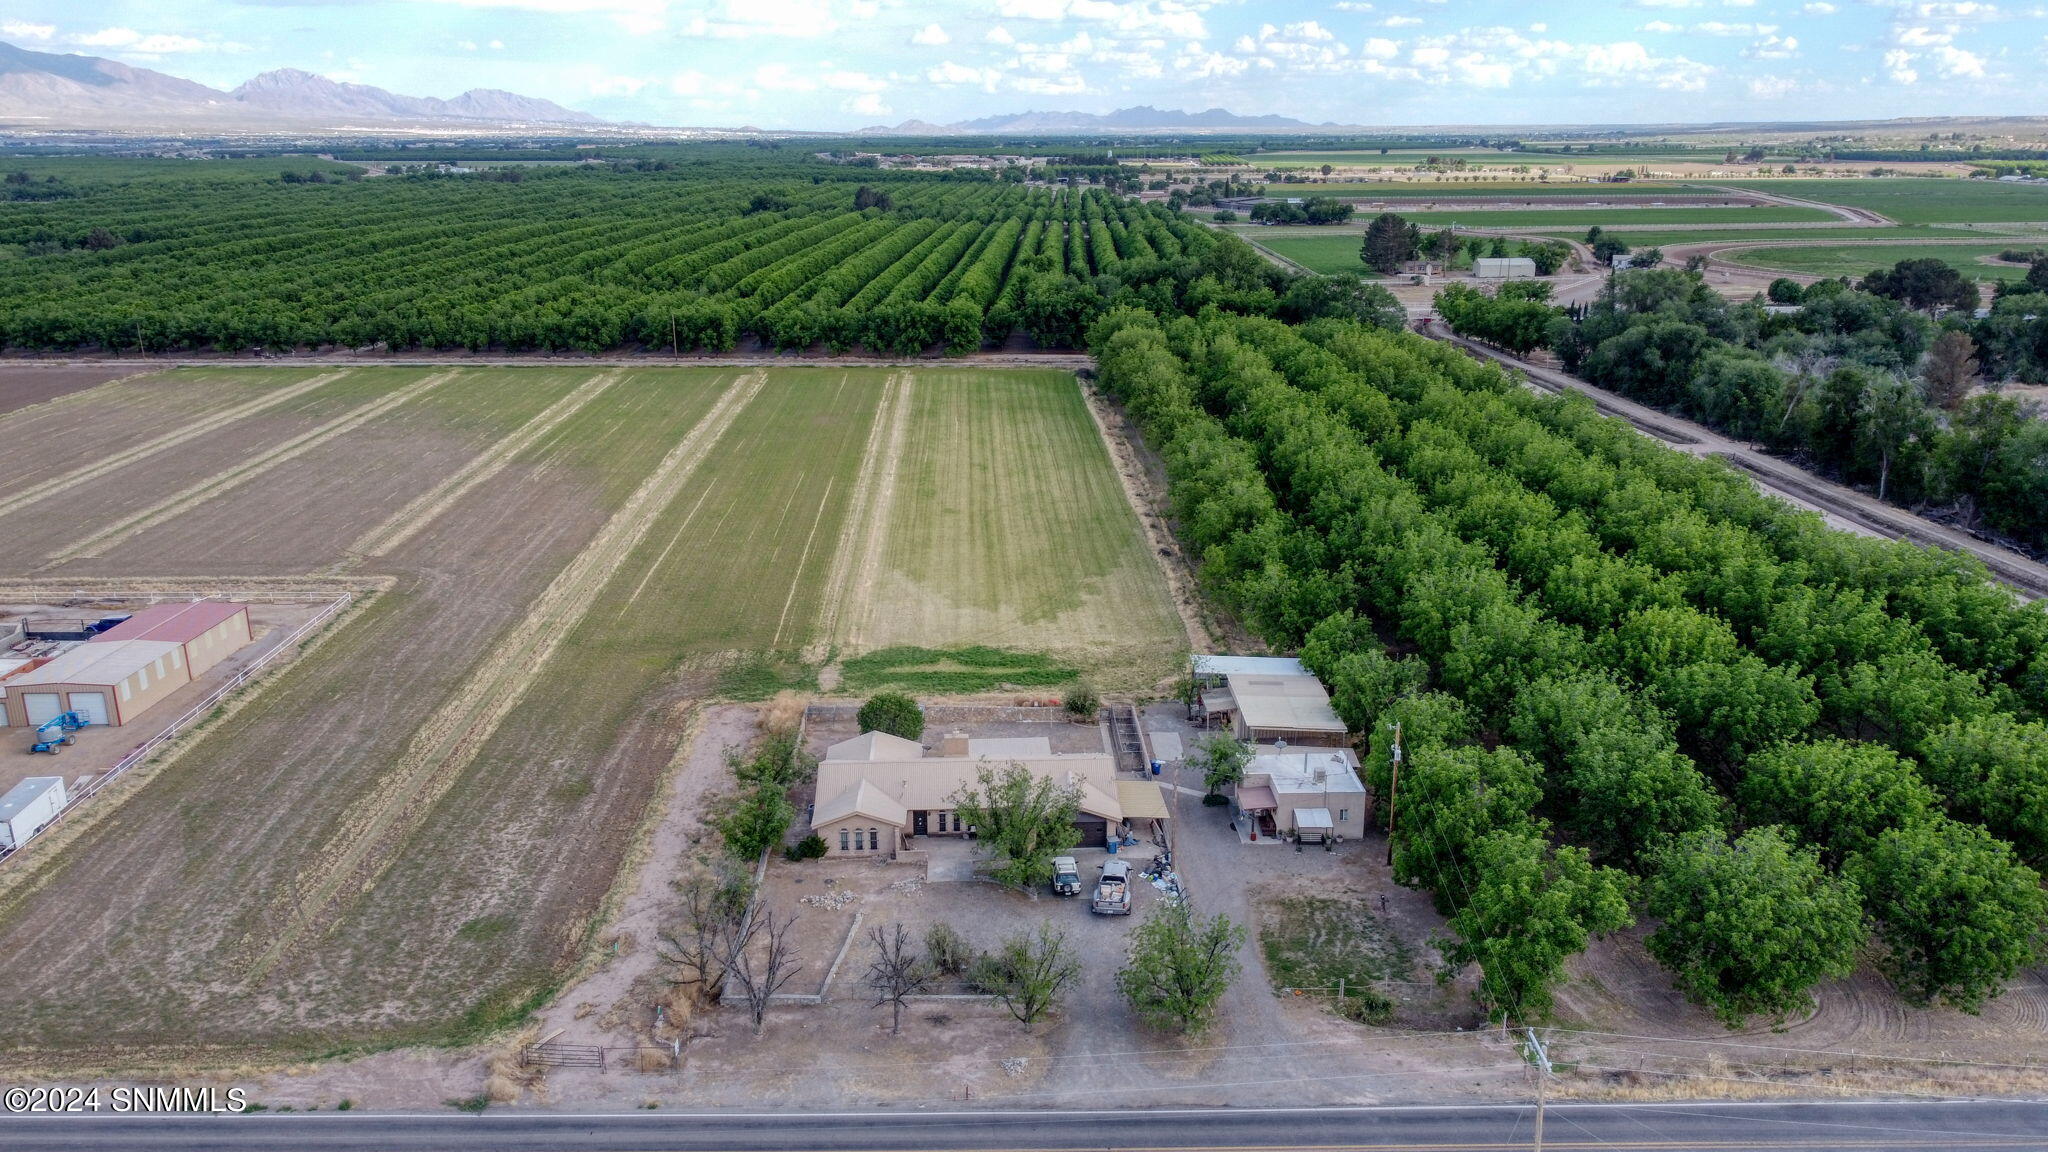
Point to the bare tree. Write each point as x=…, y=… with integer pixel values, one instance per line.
x=897, y=973
x=1950, y=369
x=1029, y=972
x=713, y=902
x=758, y=973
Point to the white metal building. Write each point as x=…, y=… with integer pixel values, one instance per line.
x=27, y=807
x=1503, y=268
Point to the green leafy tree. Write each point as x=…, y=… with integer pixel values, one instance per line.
x=1180, y=966
x=894, y=713
x=1750, y=927
x=756, y=822
x=1994, y=769
x=1221, y=760
x=1390, y=242
x=1029, y=972
x=1839, y=794
x=1449, y=800
x=1530, y=911
x=1957, y=914
x=1021, y=821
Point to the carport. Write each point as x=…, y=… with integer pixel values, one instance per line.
x=1257, y=803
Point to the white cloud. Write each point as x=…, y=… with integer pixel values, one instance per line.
x=1401, y=22
x=1922, y=37
x=1718, y=28
x=638, y=17
x=1956, y=64
x=951, y=74
x=1965, y=10
x=1351, y=6
x=1772, y=87
x=1381, y=48
x=867, y=105
x=690, y=83
x=1773, y=48
x=1173, y=19
x=1660, y=27
x=999, y=35
x=23, y=30
x=1819, y=8
x=931, y=34
x=1898, y=65
x=617, y=85
x=776, y=19
x=129, y=40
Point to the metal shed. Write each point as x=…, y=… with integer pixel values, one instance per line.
x=107, y=684
x=209, y=631
x=1503, y=267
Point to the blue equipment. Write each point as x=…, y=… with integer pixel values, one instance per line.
x=56, y=732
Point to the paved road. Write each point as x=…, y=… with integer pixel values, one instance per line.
x=1676, y=1127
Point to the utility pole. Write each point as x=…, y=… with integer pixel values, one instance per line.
x=1393, y=790
x=1542, y=1082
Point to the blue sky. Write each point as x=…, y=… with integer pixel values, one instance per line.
x=847, y=63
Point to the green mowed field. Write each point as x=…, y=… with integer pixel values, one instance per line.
x=431, y=807
x=1005, y=526
x=1533, y=218
x=1430, y=190
x=1922, y=200
x=1328, y=254
x=1667, y=236
x=1408, y=157
x=1855, y=260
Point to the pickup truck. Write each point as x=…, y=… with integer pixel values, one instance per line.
x=1066, y=876
x=1113, y=891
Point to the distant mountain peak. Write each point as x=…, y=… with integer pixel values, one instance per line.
x=47, y=88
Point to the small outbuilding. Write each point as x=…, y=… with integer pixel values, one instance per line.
x=27, y=807
x=1503, y=268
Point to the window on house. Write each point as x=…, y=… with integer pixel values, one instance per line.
x=842, y=839
x=942, y=821
x=860, y=840
x=874, y=839
x=1343, y=815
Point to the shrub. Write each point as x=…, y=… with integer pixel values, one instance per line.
x=1081, y=701
x=894, y=713
x=947, y=949
x=809, y=848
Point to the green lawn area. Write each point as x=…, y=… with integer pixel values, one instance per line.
x=1855, y=260
x=1921, y=200
x=1587, y=217
x=1662, y=236
x=1494, y=190
x=1328, y=254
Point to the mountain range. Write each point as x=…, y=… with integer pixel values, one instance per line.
x=46, y=89
x=1142, y=118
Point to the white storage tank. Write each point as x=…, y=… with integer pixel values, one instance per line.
x=27, y=807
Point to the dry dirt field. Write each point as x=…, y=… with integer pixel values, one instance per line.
x=24, y=384
x=410, y=834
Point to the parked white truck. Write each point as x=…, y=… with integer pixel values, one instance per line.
x=1066, y=876
x=1113, y=891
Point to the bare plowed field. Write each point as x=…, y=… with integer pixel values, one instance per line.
x=308, y=511
x=51, y=447
x=409, y=834
x=24, y=384
x=41, y=531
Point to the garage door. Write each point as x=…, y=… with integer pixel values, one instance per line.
x=43, y=707
x=91, y=705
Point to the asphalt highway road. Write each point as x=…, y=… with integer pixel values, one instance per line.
x=1834, y=1126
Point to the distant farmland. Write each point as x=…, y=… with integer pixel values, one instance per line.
x=1922, y=200
x=429, y=809
x=1853, y=260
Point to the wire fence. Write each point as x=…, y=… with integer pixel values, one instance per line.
x=206, y=705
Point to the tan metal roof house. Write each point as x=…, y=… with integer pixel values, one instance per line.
x=876, y=791
x=209, y=631
x=108, y=684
